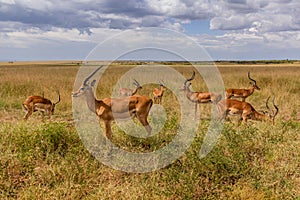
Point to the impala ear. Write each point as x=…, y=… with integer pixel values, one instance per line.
x=93, y=83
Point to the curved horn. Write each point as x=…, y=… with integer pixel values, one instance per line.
x=136, y=83
x=58, y=98
x=161, y=82
x=267, y=102
x=275, y=108
x=91, y=74
x=192, y=77
x=251, y=78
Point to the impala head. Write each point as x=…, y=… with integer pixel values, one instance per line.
x=86, y=84
x=54, y=104
x=253, y=83
x=271, y=113
x=137, y=84
x=162, y=85
x=187, y=83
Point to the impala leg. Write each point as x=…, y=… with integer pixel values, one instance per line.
x=143, y=119
x=49, y=115
x=108, y=133
x=43, y=114
x=223, y=115
x=195, y=114
x=28, y=113
x=244, y=117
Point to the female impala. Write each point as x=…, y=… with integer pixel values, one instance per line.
x=109, y=109
x=199, y=97
x=242, y=93
x=38, y=103
x=130, y=92
x=245, y=110
x=158, y=93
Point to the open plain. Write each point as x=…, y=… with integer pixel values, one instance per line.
x=45, y=159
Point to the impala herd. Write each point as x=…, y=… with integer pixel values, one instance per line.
x=131, y=105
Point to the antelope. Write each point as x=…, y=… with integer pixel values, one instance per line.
x=109, y=109
x=199, y=97
x=39, y=103
x=245, y=110
x=242, y=93
x=158, y=93
x=130, y=92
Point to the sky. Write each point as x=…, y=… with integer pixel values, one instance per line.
x=225, y=29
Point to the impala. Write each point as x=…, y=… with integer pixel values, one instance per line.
x=242, y=93
x=199, y=97
x=109, y=109
x=130, y=92
x=245, y=110
x=38, y=103
x=158, y=93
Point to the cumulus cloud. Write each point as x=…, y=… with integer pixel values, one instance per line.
x=83, y=15
x=241, y=22
x=257, y=15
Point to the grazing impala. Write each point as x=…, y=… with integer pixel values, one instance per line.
x=158, y=93
x=199, y=97
x=242, y=93
x=109, y=109
x=245, y=110
x=38, y=103
x=130, y=92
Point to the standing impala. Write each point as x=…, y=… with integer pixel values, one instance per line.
x=109, y=109
x=242, y=93
x=130, y=92
x=245, y=110
x=199, y=97
x=158, y=93
x=38, y=103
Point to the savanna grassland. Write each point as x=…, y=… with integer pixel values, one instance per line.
x=45, y=159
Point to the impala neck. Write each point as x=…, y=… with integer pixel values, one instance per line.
x=189, y=94
x=134, y=91
x=162, y=89
x=251, y=90
x=91, y=101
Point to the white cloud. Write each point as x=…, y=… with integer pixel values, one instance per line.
x=259, y=16
x=244, y=23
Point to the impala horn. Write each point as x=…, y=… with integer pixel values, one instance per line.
x=267, y=102
x=162, y=83
x=92, y=74
x=277, y=110
x=58, y=98
x=251, y=78
x=192, y=77
x=136, y=83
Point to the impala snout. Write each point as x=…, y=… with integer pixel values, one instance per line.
x=75, y=94
x=78, y=92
